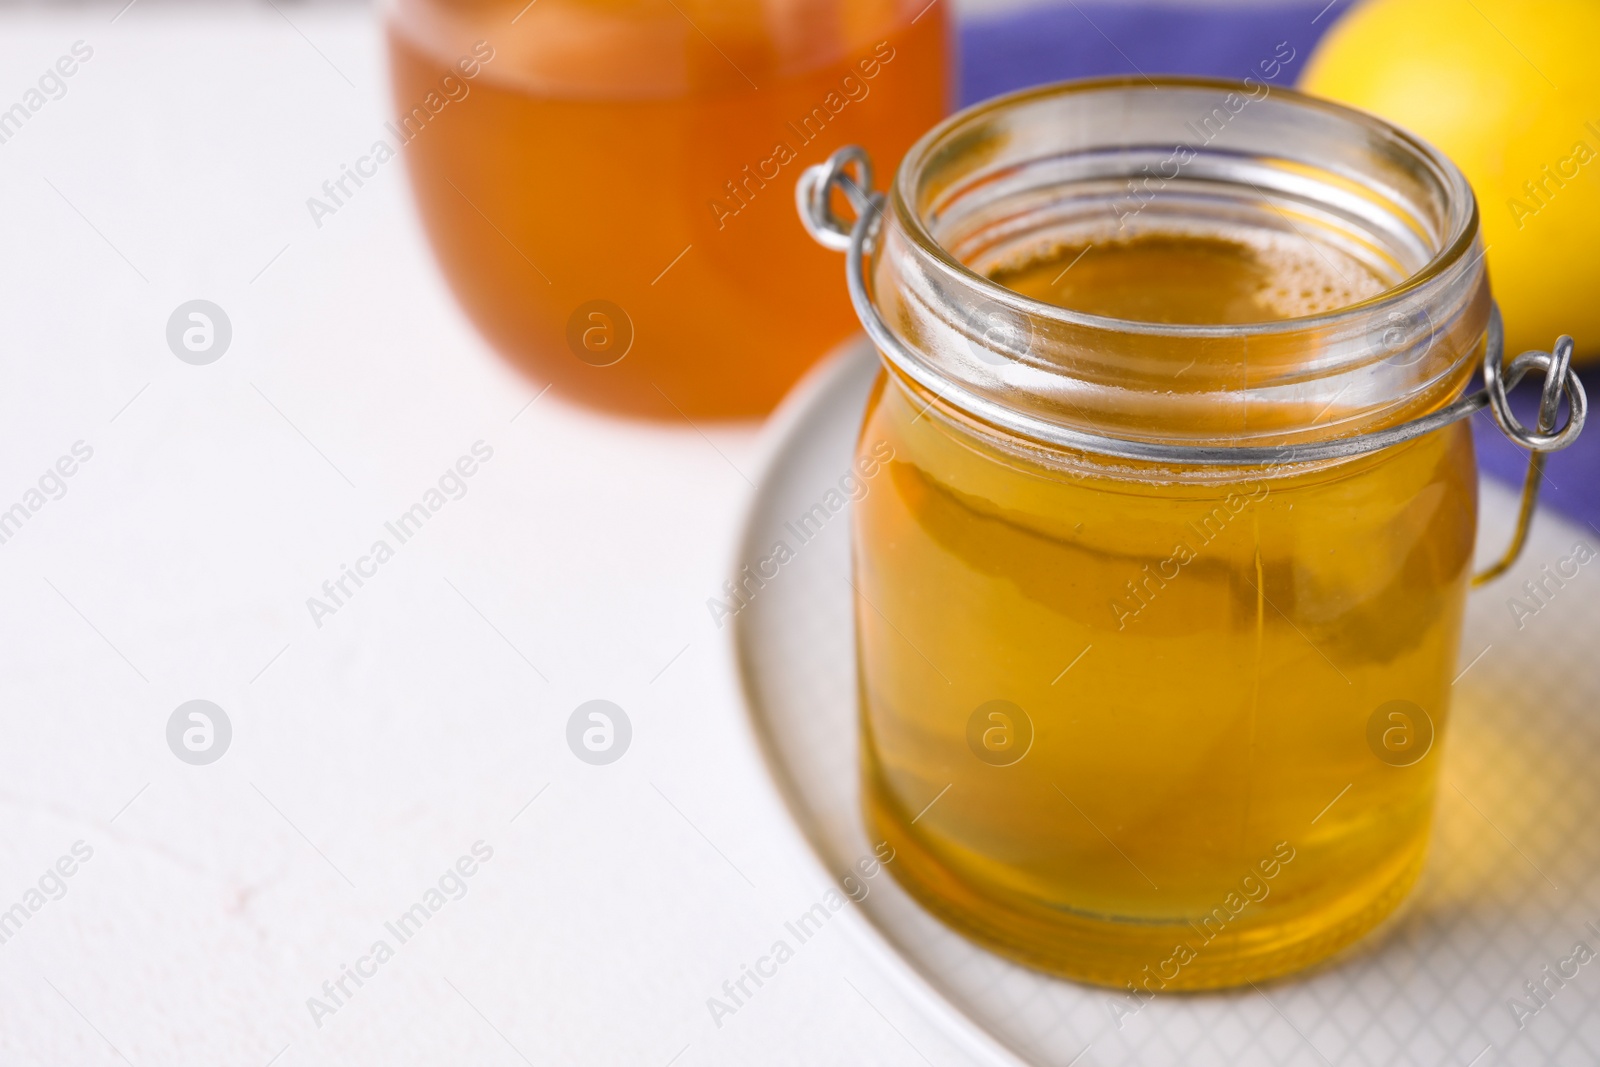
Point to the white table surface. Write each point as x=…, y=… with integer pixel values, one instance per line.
x=370, y=753
x=425, y=715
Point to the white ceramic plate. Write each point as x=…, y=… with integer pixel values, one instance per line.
x=1511, y=884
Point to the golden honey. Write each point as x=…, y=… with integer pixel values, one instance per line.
x=643, y=153
x=1120, y=723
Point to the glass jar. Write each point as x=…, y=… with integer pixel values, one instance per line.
x=606, y=182
x=1155, y=646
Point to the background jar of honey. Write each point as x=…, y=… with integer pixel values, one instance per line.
x=1148, y=723
x=606, y=183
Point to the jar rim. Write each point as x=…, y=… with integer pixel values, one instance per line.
x=1463, y=231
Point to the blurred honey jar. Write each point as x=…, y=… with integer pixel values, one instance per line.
x=607, y=183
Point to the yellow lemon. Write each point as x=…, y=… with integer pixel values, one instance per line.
x=1509, y=90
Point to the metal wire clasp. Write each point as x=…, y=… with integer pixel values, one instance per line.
x=814, y=190
x=1559, y=377
x=856, y=238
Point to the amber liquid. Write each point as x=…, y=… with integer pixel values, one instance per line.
x=678, y=208
x=1121, y=728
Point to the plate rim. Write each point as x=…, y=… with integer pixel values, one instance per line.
x=780, y=437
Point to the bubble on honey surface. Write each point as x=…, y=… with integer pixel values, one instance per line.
x=1311, y=279
x=1190, y=275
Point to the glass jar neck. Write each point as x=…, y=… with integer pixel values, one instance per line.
x=1111, y=160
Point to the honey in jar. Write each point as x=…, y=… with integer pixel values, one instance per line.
x=1147, y=723
x=610, y=197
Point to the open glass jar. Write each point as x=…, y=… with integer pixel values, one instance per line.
x=1158, y=611
x=605, y=182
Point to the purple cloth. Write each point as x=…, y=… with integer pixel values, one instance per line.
x=1080, y=40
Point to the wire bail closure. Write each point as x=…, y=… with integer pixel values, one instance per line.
x=814, y=189
x=849, y=170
